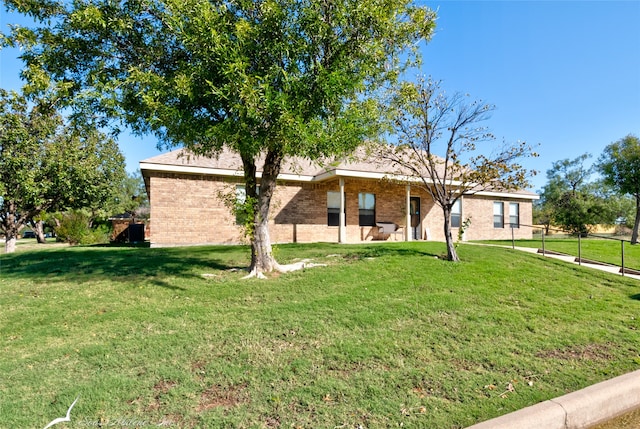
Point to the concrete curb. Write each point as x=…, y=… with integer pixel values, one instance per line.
x=578, y=410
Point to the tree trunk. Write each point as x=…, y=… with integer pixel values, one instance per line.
x=262, y=260
x=10, y=244
x=636, y=224
x=38, y=229
x=452, y=254
x=10, y=226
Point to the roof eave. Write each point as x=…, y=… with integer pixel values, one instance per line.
x=326, y=175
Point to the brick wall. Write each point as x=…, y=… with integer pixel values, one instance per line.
x=480, y=210
x=187, y=209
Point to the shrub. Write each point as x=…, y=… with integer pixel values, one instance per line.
x=75, y=228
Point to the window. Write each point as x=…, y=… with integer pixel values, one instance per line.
x=456, y=214
x=333, y=208
x=498, y=215
x=241, y=198
x=514, y=215
x=367, y=209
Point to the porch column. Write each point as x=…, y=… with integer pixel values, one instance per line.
x=342, y=230
x=407, y=229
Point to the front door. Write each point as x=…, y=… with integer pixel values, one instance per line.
x=414, y=211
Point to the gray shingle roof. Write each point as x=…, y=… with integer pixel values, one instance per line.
x=229, y=163
x=228, y=160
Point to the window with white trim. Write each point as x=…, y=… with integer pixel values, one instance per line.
x=366, y=209
x=514, y=215
x=456, y=214
x=241, y=198
x=498, y=214
x=333, y=208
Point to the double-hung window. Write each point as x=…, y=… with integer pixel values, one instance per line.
x=366, y=209
x=242, y=212
x=514, y=215
x=333, y=208
x=498, y=214
x=456, y=214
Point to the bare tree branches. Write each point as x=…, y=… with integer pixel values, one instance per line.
x=438, y=138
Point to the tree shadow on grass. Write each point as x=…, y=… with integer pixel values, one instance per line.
x=126, y=264
x=361, y=251
x=378, y=251
x=636, y=297
x=131, y=265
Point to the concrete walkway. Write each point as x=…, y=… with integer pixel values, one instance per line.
x=578, y=410
x=614, y=269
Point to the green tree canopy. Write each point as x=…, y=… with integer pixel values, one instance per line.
x=620, y=167
x=130, y=196
x=270, y=77
x=47, y=165
x=571, y=200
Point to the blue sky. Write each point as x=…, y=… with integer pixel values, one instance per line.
x=563, y=75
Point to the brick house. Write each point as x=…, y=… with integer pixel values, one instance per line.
x=187, y=209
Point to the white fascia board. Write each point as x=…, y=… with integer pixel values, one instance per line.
x=348, y=173
x=189, y=169
x=505, y=195
x=365, y=175
x=319, y=178
x=292, y=177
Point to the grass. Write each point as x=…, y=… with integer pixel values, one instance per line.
x=383, y=336
x=596, y=249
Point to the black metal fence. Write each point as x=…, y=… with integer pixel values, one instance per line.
x=542, y=232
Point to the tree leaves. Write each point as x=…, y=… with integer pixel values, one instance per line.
x=47, y=165
x=269, y=77
x=438, y=143
x=620, y=166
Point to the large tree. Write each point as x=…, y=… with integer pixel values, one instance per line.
x=47, y=165
x=24, y=133
x=267, y=78
x=571, y=199
x=438, y=142
x=620, y=167
x=129, y=196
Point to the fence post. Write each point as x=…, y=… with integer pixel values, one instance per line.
x=543, y=243
x=622, y=245
x=513, y=240
x=579, y=248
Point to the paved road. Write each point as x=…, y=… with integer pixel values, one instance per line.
x=626, y=421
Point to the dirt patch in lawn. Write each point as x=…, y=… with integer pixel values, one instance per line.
x=222, y=396
x=585, y=352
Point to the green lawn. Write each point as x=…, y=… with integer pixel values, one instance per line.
x=597, y=249
x=385, y=335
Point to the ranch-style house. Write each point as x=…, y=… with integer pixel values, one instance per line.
x=186, y=194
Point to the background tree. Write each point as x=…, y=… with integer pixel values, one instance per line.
x=89, y=168
x=542, y=215
x=130, y=196
x=24, y=133
x=268, y=78
x=572, y=200
x=438, y=137
x=620, y=167
x=47, y=166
